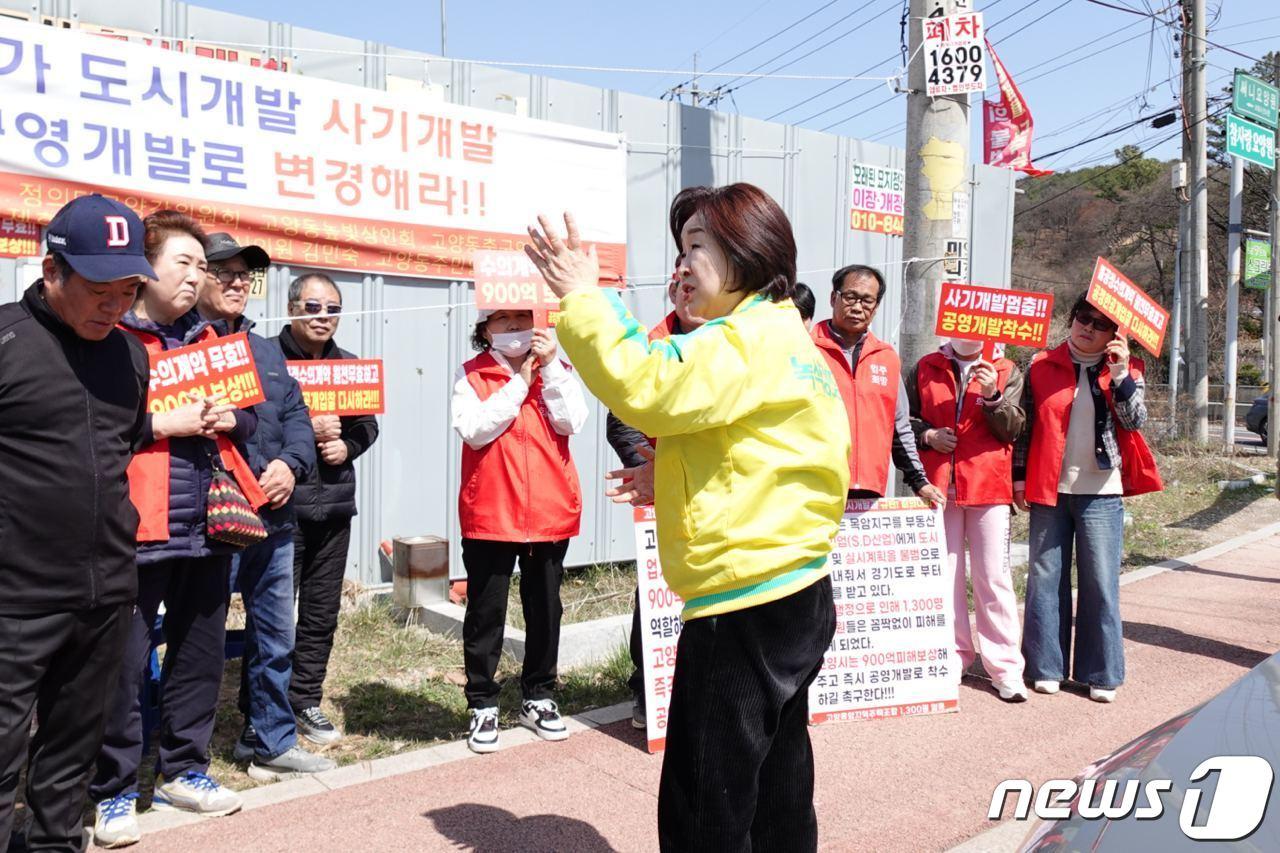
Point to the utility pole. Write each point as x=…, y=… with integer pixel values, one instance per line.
x=1273, y=414
x=1175, y=328
x=1198, y=247
x=1235, y=225
x=695, y=94
x=937, y=167
x=444, y=39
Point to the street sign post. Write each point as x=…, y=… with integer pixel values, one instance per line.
x=1251, y=142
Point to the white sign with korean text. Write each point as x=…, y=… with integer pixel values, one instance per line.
x=660, y=626
x=954, y=54
x=893, y=653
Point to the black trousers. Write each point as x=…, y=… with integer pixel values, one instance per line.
x=489, y=566
x=636, y=681
x=194, y=592
x=61, y=668
x=319, y=564
x=738, y=769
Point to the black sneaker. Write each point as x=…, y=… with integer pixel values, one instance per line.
x=638, y=719
x=246, y=745
x=315, y=726
x=543, y=717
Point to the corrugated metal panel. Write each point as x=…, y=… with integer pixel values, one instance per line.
x=409, y=480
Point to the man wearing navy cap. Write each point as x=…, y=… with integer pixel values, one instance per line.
x=75, y=393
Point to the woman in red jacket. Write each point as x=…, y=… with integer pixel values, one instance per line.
x=1080, y=453
x=515, y=406
x=965, y=415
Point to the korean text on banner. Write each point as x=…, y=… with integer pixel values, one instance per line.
x=893, y=653
x=1126, y=305
x=1257, y=263
x=19, y=239
x=875, y=199
x=316, y=172
x=346, y=386
x=222, y=368
x=510, y=280
x=1007, y=126
x=975, y=313
x=954, y=55
x=660, y=625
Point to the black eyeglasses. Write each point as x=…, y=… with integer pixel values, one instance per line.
x=1097, y=321
x=228, y=276
x=848, y=297
x=313, y=307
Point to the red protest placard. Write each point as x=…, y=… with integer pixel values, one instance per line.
x=19, y=239
x=346, y=386
x=222, y=368
x=1125, y=304
x=994, y=315
x=510, y=280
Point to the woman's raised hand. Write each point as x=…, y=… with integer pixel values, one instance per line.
x=564, y=264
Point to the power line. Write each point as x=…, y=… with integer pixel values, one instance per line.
x=1171, y=26
x=1112, y=132
x=869, y=69
x=728, y=30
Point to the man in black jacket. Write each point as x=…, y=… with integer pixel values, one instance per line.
x=325, y=503
x=282, y=451
x=75, y=393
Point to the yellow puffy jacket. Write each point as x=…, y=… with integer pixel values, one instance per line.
x=752, y=468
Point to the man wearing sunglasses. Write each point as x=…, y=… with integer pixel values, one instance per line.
x=325, y=501
x=281, y=452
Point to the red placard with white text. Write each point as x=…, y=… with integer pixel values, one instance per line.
x=660, y=626
x=893, y=653
x=19, y=238
x=346, y=386
x=993, y=315
x=219, y=367
x=1125, y=304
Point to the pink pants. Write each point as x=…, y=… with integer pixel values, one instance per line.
x=986, y=531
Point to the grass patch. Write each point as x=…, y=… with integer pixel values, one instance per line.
x=587, y=593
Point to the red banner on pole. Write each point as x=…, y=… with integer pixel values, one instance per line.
x=994, y=315
x=1007, y=125
x=222, y=368
x=344, y=386
x=1136, y=313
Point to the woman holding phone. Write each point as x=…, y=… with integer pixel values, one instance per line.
x=1079, y=455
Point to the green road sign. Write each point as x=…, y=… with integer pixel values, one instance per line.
x=1257, y=263
x=1250, y=141
x=1255, y=99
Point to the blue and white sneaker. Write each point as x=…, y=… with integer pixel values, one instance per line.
x=195, y=792
x=483, y=737
x=542, y=716
x=116, y=824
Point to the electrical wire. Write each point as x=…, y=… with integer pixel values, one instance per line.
x=1183, y=31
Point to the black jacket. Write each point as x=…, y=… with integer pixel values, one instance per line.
x=72, y=412
x=330, y=491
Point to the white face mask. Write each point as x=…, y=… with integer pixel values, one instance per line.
x=513, y=344
x=965, y=349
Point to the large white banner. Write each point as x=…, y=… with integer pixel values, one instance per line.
x=316, y=172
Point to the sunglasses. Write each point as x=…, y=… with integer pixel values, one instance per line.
x=1097, y=321
x=333, y=309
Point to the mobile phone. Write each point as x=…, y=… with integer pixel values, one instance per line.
x=1112, y=358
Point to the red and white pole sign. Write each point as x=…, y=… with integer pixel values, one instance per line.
x=993, y=315
x=660, y=626
x=1126, y=305
x=509, y=280
x=954, y=54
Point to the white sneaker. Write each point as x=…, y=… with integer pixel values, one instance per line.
x=1097, y=694
x=484, y=730
x=116, y=824
x=1015, y=692
x=195, y=792
x=1047, y=687
x=543, y=717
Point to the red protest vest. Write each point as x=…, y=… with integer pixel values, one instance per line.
x=522, y=486
x=1053, y=384
x=983, y=464
x=871, y=400
x=149, y=470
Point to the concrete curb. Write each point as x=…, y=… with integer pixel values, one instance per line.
x=381, y=768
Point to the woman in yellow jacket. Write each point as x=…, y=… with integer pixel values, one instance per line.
x=751, y=476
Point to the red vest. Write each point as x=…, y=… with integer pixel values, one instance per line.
x=522, y=486
x=149, y=469
x=983, y=463
x=871, y=401
x=1053, y=384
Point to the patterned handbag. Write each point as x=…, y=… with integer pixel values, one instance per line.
x=230, y=517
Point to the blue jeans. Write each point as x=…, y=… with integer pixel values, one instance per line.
x=265, y=575
x=1094, y=526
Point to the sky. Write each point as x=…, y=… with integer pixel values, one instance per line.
x=1084, y=69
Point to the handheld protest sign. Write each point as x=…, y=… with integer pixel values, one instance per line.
x=509, y=280
x=660, y=624
x=1125, y=304
x=994, y=316
x=347, y=386
x=222, y=368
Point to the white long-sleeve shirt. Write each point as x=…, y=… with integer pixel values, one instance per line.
x=479, y=422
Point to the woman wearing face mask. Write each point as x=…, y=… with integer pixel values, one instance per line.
x=1081, y=451
x=965, y=415
x=515, y=406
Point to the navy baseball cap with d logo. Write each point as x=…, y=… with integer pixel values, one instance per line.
x=100, y=238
